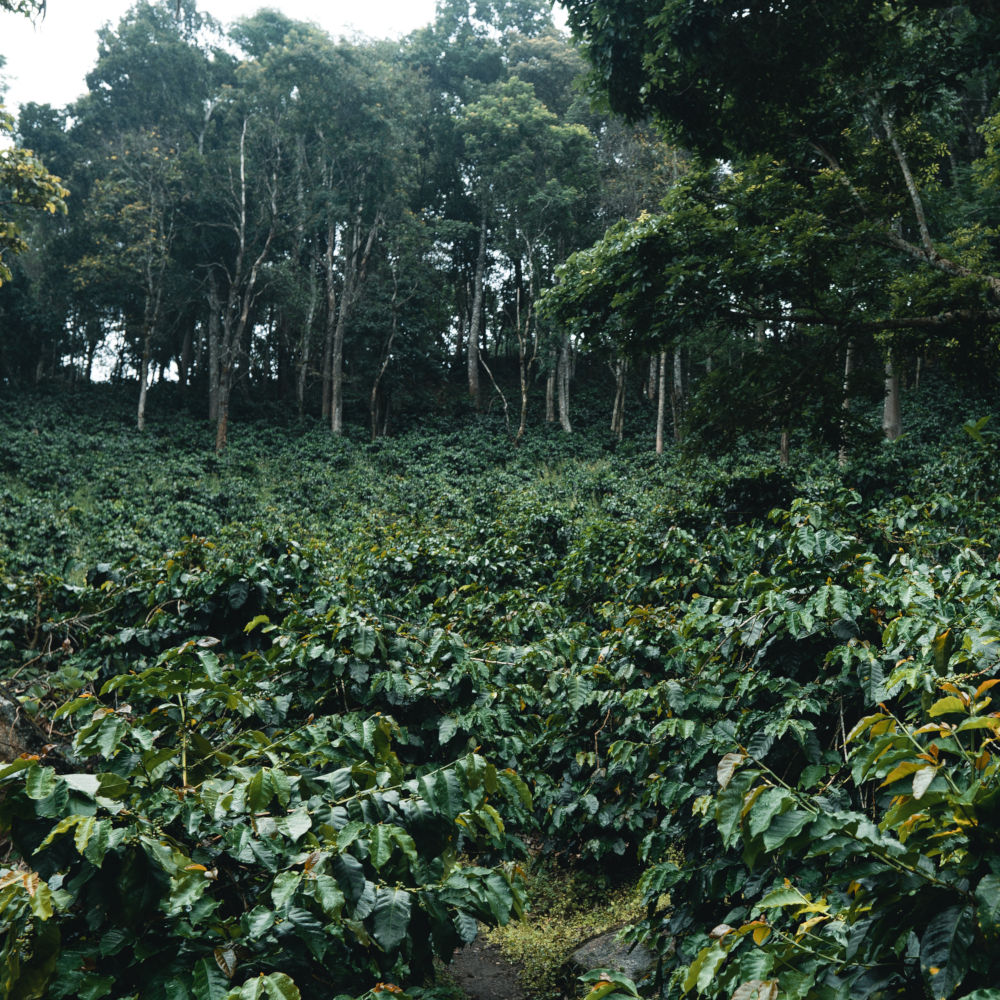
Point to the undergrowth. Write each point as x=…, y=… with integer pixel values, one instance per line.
x=566, y=909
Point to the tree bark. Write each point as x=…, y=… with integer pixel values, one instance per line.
x=677, y=393
x=475, y=320
x=842, y=454
x=562, y=384
x=661, y=402
x=143, y=381
x=214, y=350
x=618, y=407
x=355, y=267
x=550, y=389
x=892, y=416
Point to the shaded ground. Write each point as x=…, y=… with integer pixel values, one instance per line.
x=484, y=974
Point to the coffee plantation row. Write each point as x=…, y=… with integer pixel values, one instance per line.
x=291, y=720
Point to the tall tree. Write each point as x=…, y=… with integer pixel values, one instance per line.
x=529, y=173
x=857, y=138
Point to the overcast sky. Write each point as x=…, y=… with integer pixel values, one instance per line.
x=47, y=62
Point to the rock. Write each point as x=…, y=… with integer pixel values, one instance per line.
x=604, y=952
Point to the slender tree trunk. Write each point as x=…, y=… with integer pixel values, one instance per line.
x=240, y=295
x=892, y=416
x=330, y=327
x=144, y=381
x=618, y=407
x=222, y=416
x=305, y=342
x=785, y=448
x=214, y=348
x=475, y=320
x=337, y=375
x=845, y=405
x=652, y=381
x=185, y=361
x=661, y=402
x=524, y=336
x=550, y=388
x=562, y=381
x=677, y=393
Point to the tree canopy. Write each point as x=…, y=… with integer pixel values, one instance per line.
x=846, y=193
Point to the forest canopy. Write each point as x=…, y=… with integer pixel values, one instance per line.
x=798, y=215
x=296, y=699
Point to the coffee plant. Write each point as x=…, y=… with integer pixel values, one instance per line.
x=287, y=722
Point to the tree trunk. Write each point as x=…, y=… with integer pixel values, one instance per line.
x=337, y=375
x=785, y=451
x=475, y=320
x=305, y=341
x=653, y=380
x=562, y=384
x=330, y=326
x=222, y=416
x=677, y=394
x=892, y=416
x=143, y=381
x=661, y=402
x=214, y=351
x=618, y=407
x=550, y=389
x=845, y=405
x=185, y=360
x=355, y=266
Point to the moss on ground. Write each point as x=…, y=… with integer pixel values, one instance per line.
x=566, y=909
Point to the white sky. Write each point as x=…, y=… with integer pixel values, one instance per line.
x=47, y=62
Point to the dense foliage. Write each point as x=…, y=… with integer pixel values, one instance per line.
x=284, y=717
x=344, y=225
x=304, y=706
x=840, y=224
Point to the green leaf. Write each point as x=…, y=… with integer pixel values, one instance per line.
x=282, y=987
x=283, y=888
x=784, y=827
x=873, y=681
x=781, y=897
x=447, y=728
x=364, y=641
x=254, y=622
x=406, y=844
x=327, y=893
x=702, y=970
x=942, y=646
x=443, y=793
x=275, y=985
x=295, y=824
x=988, y=907
x=391, y=917
x=40, y=782
x=944, y=950
x=381, y=845
x=209, y=982
x=945, y=706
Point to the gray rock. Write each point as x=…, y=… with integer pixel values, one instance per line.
x=604, y=952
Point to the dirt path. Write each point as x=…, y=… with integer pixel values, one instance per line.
x=484, y=974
